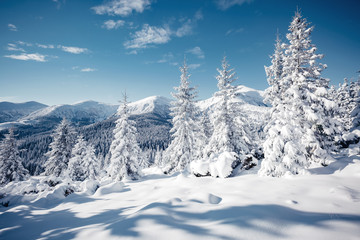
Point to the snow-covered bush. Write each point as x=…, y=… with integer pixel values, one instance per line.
x=221, y=165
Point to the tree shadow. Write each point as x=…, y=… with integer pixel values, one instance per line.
x=64, y=224
x=339, y=164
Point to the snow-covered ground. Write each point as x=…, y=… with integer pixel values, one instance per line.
x=323, y=205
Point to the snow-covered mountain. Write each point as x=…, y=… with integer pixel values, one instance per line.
x=10, y=112
x=154, y=104
x=245, y=95
x=88, y=111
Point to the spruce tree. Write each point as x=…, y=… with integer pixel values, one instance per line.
x=274, y=74
x=83, y=163
x=124, y=150
x=60, y=150
x=301, y=130
x=355, y=104
x=11, y=168
x=186, y=132
x=227, y=135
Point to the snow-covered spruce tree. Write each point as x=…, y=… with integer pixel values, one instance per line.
x=11, y=168
x=186, y=131
x=60, y=150
x=355, y=103
x=158, y=159
x=345, y=100
x=206, y=126
x=83, y=163
x=301, y=129
x=274, y=74
x=227, y=136
x=125, y=153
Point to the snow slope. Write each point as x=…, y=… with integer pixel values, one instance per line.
x=321, y=206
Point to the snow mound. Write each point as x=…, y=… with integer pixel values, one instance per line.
x=90, y=186
x=109, y=188
x=205, y=198
x=219, y=165
x=352, y=136
x=36, y=189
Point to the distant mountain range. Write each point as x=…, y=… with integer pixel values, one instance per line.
x=34, y=122
x=89, y=112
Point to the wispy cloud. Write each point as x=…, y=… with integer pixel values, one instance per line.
x=74, y=50
x=24, y=43
x=28, y=57
x=45, y=46
x=122, y=7
x=225, y=4
x=148, y=36
x=166, y=58
x=59, y=3
x=14, y=47
x=111, y=24
x=194, y=66
x=188, y=25
x=234, y=31
x=197, y=52
x=12, y=27
x=88, y=70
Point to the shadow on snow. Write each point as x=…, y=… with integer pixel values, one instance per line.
x=64, y=224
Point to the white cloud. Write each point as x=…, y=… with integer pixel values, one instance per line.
x=185, y=29
x=188, y=25
x=234, y=31
x=28, y=56
x=194, y=66
x=198, y=15
x=74, y=50
x=148, y=36
x=59, y=3
x=12, y=27
x=197, y=52
x=166, y=58
x=14, y=47
x=111, y=24
x=88, y=70
x=122, y=7
x=45, y=46
x=24, y=43
x=225, y=4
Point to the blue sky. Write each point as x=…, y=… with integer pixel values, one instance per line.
x=64, y=51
